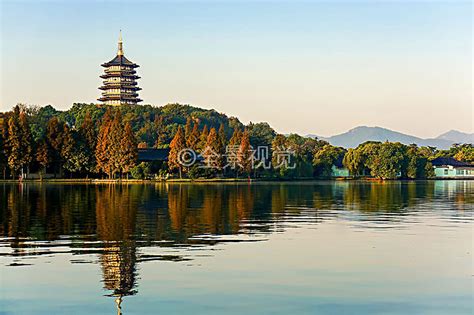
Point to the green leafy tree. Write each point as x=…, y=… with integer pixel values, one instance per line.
x=415, y=163
x=161, y=135
x=301, y=151
x=428, y=152
x=465, y=153
x=388, y=161
x=354, y=161
x=429, y=170
x=78, y=160
x=325, y=158
x=140, y=171
x=279, y=146
x=260, y=134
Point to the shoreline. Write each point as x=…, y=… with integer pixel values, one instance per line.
x=209, y=180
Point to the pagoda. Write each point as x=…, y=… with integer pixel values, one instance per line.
x=120, y=85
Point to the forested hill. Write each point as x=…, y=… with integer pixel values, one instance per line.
x=148, y=122
x=97, y=140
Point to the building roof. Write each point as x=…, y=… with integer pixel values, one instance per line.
x=120, y=60
x=148, y=155
x=445, y=161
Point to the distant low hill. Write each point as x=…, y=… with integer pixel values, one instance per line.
x=358, y=135
x=457, y=136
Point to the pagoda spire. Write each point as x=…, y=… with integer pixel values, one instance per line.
x=120, y=45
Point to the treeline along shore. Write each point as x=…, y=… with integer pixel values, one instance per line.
x=91, y=141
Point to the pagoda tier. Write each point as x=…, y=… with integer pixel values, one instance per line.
x=120, y=75
x=120, y=93
x=125, y=100
x=119, y=85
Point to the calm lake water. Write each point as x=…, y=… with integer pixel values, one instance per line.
x=264, y=248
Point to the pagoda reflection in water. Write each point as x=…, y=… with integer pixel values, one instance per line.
x=119, y=270
x=116, y=221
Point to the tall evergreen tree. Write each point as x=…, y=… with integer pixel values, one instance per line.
x=54, y=139
x=3, y=156
x=69, y=152
x=14, y=147
x=54, y=134
x=88, y=133
x=129, y=149
x=192, y=140
x=222, y=136
x=245, y=154
x=203, y=138
x=236, y=138
x=26, y=141
x=187, y=128
x=101, y=152
x=114, y=144
x=43, y=157
x=213, y=150
x=19, y=142
x=3, y=145
x=177, y=145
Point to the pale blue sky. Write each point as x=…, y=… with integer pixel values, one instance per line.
x=306, y=67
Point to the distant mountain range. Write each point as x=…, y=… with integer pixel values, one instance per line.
x=358, y=135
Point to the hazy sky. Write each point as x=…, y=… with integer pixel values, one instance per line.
x=306, y=67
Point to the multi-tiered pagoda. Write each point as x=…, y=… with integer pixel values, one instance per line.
x=120, y=85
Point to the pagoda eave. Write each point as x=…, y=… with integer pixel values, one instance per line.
x=106, y=65
x=119, y=98
x=118, y=86
x=119, y=83
x=121, y=101
x=120, y=75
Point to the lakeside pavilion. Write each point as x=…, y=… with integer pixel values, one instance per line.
x=120, y=85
